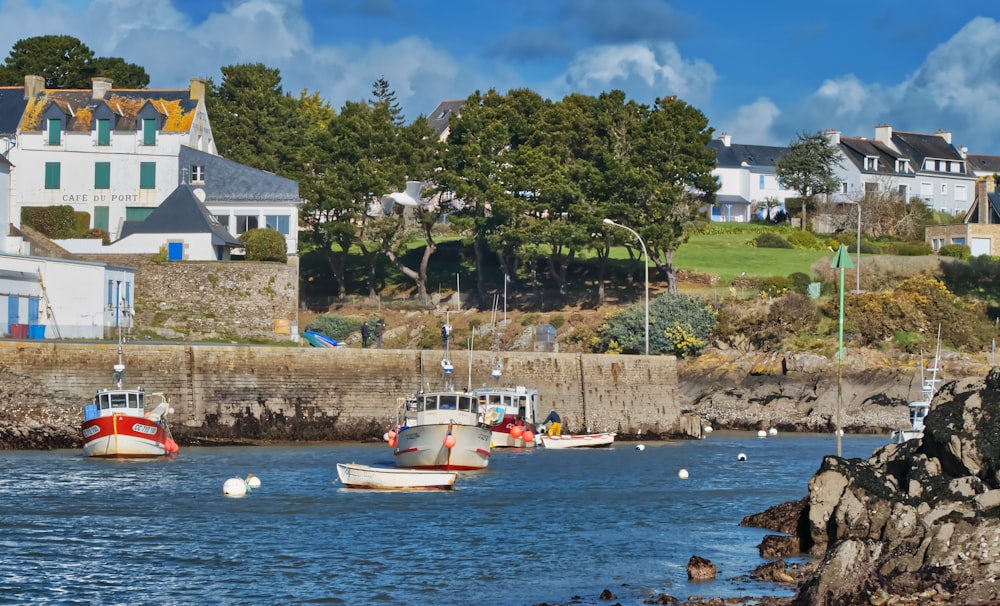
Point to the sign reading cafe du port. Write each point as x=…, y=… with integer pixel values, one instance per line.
x=99, y=198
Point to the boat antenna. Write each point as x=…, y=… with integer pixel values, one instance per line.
x=497, y=371
x=446, y=366
x=119, y=368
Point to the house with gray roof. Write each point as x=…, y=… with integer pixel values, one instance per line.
x=749, y=186
x=439, y=118
x=983, y=166
x=925, y=166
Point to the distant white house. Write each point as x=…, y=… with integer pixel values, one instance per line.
x=749, y=187
x=925, y=166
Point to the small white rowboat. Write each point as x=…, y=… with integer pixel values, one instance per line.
x=588, y=440
x=353, y=475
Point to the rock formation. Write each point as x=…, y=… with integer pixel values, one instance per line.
x=917, y=519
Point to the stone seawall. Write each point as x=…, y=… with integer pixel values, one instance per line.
x=273, y=392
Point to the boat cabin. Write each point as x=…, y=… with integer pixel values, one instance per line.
x=440, y=407
x=917, y=413
x=131, y=402
x=518, y=401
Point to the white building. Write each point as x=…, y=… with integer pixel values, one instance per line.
x=917, y=165
x=117, y=154
x=749, y=186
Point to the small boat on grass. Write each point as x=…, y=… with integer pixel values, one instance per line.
x=354, y=475
x=586, y=440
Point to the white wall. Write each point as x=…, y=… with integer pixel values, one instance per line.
x=197, y=247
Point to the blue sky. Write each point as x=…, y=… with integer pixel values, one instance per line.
x=761, y=71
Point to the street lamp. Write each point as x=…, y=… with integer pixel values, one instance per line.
x=645, y=256
x=857, y=270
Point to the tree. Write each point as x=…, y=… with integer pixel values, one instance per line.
x=66, y=62
x=254, y=121
x=808, y=166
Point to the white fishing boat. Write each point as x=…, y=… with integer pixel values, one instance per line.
x=118, y=424
x=929, y=382
x=441, y=429
x=354, y=475
x=584, y=440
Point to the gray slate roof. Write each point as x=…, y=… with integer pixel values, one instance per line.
x=181, y=213
x=438, y=119
x=228, y=181
x=980, y=163
x=857, y=150
x=918, y=147
x=12, y=104
x=735, y=155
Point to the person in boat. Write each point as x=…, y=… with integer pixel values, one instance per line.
x=554, y=423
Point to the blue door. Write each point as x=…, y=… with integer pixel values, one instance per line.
x=175, y=251
x=13, y=311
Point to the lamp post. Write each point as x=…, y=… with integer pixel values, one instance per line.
x=645, y=256
x=857, y=270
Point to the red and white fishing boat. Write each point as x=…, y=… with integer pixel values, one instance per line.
x=117, y=423
x=511, y=413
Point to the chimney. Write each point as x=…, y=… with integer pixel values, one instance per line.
x=963, y=151
x=197, y=88
x=100, y=87
x=726, y=139
x=944, y=135
x=33, y=86
x=833, y=136
x=883, y=134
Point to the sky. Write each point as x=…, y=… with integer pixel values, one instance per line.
x=763, y=72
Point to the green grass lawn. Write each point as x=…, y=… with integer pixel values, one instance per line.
x=728, y=256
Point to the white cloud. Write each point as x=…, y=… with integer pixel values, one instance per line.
x=752, y=123
x=658, y=69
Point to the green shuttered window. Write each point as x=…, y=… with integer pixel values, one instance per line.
x=147, y=175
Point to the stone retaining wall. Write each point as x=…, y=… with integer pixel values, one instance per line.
x=274, y=392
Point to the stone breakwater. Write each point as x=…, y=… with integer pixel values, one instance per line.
x=918, y=522
x=239, y=394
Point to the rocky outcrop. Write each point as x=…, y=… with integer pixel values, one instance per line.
x=804, y=391
x=917, y=519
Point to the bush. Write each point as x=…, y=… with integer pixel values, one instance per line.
x=678, y=324
x=775, y=286
x=771, y=240
x=81, y=222
x=264, y=245
x=910, y=249
x=337, y=328
x=803, y=239
x=800, y=282
x=52, y=221
x=959, y=251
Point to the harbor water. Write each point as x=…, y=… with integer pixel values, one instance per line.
x=536, y=526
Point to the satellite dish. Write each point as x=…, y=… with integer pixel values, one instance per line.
x=200, y=194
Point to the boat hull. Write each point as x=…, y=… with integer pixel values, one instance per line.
x=123, y=436
x=590, y=440
x=423, y=447
x=353, y=475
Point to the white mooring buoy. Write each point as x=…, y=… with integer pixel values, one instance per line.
x=741, y=457
x=253, y=481
x=682, y=474
x=761, y=434
x=640, y=447
x=235, y=487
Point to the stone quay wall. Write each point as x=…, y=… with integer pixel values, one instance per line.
x=280, y=392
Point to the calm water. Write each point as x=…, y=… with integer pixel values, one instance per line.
x=537, y=526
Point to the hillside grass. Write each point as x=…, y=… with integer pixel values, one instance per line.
x=729, y=256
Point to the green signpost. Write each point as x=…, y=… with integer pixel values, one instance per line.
x=841, y=261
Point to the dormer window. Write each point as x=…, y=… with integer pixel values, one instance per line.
x=103, y=126
x=55, y=131
x=148, y=131
x=197, y=174
x=902, y=165
x=871, y=162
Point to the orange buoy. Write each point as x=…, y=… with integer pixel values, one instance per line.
x=516, y=431
x=449, y=441
x=391, y=434
x=392, y=442
x=170, y=446
x=528, y=436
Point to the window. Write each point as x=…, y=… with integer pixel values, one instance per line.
x=148, y=131
x=111, y=294
x=871, y=163
x=197, y=174
x=926, y=189
x=961, y=193
x=52, y=172
x=101, y=217
x=55, y=131
x=761, y=184
x=102, y=175
x=137, y=213
x=245, y=223
x=944, y=188
x=278, y=223
x=103, y=131
x=843, y=187
x=222, y=219
x=871, y=188
x=902, y=192
x=147, y=175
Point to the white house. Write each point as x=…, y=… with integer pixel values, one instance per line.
x=918, y=165
x=117, y=154
x=749, y=186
